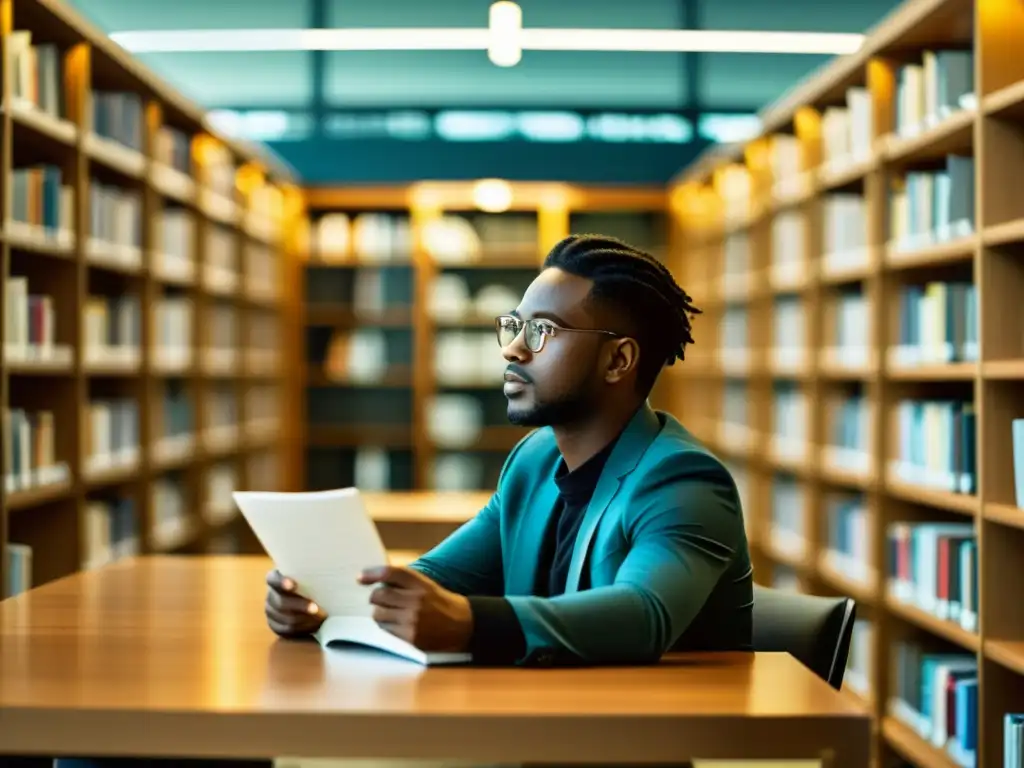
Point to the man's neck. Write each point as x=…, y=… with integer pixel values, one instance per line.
x=580, y=442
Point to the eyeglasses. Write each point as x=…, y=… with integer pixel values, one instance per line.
x=509, y=327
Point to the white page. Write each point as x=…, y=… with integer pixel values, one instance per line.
x=323, y=540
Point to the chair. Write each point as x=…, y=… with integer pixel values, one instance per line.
x=816, y=631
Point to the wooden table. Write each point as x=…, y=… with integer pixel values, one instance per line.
x=164, y=655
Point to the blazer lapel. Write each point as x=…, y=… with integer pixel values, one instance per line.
x=529, y=541
x=634, y=441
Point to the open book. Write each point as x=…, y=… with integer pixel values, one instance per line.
x=323, y=540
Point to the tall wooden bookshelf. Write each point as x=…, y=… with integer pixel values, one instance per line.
x=402, y=373
x=861, y=359
x=147, y=264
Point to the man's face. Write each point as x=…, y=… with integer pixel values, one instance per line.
x=561, y=383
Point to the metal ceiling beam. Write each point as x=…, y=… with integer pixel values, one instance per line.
x=311, y=109
x=692, y=61
x=318, y=67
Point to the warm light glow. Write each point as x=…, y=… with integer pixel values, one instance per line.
x=481, y=39
x=492, y=195
x=506, y=26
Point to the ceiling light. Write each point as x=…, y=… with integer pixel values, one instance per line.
x=506, y=26
x=492, y=195
x=481, y=39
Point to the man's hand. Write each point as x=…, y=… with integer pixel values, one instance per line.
x=418, y=610
x=288, y=613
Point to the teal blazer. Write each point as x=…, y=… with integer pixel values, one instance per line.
x=661, y=560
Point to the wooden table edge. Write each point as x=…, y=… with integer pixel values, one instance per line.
x=840, y=740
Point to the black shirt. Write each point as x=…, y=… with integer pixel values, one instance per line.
x=497, y=636
x=574, y=492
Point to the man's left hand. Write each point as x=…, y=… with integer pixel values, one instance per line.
x=418, y=610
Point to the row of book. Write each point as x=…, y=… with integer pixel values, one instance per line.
x=262, y=276
x=468, y=358
x=111, y=530
x=178, y=413
x=265, y=341
x=789, y=247
x=171, y=513
x=927, y=207
x=847, y=131
x=369, y=237
x=859, y=661
x=851, y=325
x=30, y=327
x=453, y=299
x=938, y=323
x=848, y=541
x=173, y=148
x=1013, y=740
x=788, y=497
x=223, y=332
x=789, y=339
x=936, y=695
x=932, y=89
x=936, y=445
x=19, y=568
x=111, y=434
x=849, y=433
x=113, y=329
x=934, y=567
x=844, y=232
x=339, y=237
x=29, y=450
x=843, y=245
x=173, y=330
x=115, y=220
x=221, y=482
x=37, y=74
x=119, y=116
x=41, y=204
x=222, y=406
x=38, y=83
x=790, y=421
x=175, y=232
x=221, y=267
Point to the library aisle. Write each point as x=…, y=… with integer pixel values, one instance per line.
x=145, y=289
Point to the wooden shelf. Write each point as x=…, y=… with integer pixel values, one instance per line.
x=165, y=153
x=862, y=204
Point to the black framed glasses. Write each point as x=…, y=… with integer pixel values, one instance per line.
x=537, y=330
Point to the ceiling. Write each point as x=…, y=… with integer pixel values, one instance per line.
x=437, y=79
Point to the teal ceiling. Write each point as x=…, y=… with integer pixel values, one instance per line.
x=457, y=78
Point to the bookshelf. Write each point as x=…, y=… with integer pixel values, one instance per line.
x=147, y=270
x=861, y=361
x=402, y=373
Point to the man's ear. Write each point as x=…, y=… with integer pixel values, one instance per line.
x=622, y=361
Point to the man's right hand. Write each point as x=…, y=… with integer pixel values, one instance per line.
x=288, y=613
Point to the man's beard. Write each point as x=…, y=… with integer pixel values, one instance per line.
x=567, y=410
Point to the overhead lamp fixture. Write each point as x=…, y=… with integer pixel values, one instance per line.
x=483, y=39
x=506, y=27
x=492, y=195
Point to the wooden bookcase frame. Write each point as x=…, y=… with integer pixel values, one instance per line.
x=52, y=518
x=993, y=256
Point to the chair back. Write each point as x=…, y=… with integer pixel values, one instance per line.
x=815, y=630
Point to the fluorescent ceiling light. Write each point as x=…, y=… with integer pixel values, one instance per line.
x=505, y=27
x=481, y=39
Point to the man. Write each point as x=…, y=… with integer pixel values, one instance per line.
x=613, y=536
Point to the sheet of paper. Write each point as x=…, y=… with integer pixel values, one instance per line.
x=322, y=540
